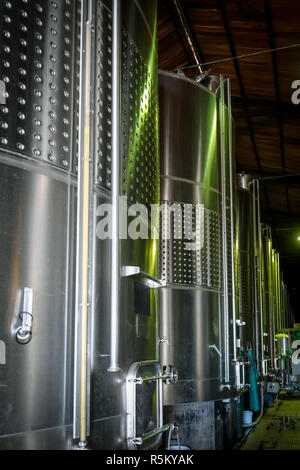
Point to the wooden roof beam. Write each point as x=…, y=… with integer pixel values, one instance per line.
x=242, y=90
x=277, y=92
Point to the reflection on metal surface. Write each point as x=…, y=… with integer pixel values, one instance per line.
x=192, y=316
x=38, y=165
x=263, y=299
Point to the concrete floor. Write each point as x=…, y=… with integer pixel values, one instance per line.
x=279, y=428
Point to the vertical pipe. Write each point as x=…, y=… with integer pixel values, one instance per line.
x=283, y=301
x=278, y=292
x=255, y=274
x=273, y=307
x=275, y=290
x=224, y=231
x=288, y=325
x=83, y=229
x=286, y=308
x=85, y=241
x=260, y=279
x=232, y=228
x=116, y=122
x=271, y=300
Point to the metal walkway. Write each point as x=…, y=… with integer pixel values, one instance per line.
x=279, y=428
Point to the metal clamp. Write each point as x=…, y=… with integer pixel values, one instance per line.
x=132, y=381
x=24, y=332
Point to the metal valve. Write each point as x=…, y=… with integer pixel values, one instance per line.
x=171, y=374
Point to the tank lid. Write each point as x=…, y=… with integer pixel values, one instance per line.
x=244, y=180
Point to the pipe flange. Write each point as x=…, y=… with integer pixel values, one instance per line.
x=23, y=338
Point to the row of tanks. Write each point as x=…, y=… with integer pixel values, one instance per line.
x=111, y=343
x=225, y=308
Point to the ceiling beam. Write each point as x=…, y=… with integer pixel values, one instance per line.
x=242, y=90
x=177, y=27
x=189, y=33
x=277, y=93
